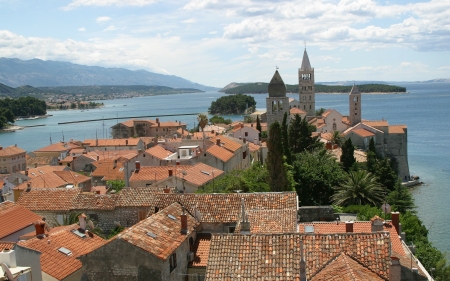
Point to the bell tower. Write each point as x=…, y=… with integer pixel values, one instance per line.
x=277, y=103
x=354, y=106
x=307, y=92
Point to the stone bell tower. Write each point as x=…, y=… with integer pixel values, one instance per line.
x=354, y=106
x=277, y=103
x=307, y=92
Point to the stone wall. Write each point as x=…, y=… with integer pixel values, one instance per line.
x=316, y=213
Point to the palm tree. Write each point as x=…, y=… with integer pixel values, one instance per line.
x=359, y=188
x=336, y=138
x=202, y=122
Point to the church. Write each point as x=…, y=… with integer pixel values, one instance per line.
x=390, y=140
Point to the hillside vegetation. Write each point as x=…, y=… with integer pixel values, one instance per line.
x=261, y=88
x=24, y=106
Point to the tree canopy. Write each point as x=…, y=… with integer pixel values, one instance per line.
x=233, y=104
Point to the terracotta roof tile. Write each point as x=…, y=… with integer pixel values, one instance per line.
x=159, y=152
x=277, y=256
x=296, y=110
x=53, y=179
x=56, y=263
x=48, y=199
x=162, y=172
x=200, y=174
x=59, y=147
x=11, y=151
x=229, y=143
x=363, y=133
x=36, y=172
x=109, y=169
x=94, y=202
x=327, y=112
x=199, y=135
x=253, y=147
x=270, y=221
x=382, y=123
x=40, y=160
x=201, y=250
x=112, y=142
x=6, y=245
x=397, y=129
x=220, y=152
x=212, y=207
x=14, y=218
x=166, y=231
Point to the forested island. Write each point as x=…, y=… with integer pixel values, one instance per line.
x=24, y=106
x=261, y=88
x=235, y=104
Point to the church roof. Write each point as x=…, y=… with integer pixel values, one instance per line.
x=306, y=65
x=277, y=88
x=355, y=90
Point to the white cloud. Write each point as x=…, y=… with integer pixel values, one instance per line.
x=102, y=3
x=213, y=32
x=329, y=58
x=110, y=28
x=102, y=19
x=82, y=29
x=192, y=20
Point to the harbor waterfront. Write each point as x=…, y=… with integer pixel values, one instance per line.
x=421, y=110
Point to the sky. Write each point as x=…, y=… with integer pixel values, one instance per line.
x=215, y=42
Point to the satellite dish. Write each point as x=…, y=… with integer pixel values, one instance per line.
x=8, y=272
x=386, y=208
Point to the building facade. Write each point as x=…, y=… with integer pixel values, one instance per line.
x=12, y=159
x=307, y=92
x=277, y=103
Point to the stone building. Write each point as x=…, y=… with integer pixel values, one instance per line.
x=12, y=159
x=354, y=106
x=277, y=103
x=147, y=128
x=307, y=92
x=156, y=248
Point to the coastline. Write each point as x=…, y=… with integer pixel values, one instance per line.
x=11, y=129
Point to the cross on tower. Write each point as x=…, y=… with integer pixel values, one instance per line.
x=276, y=67
x=304, y=42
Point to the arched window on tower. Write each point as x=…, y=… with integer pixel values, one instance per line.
x=309, y=106
x=355, y=99
x=280, y=105
x=274, y=106
x=334, y=126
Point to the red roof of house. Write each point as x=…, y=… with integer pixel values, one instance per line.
x=150, y=173
x=48, y=199
x=270, y=221
x=59, y=147
x=11, y=151
x=201, y=250
x=220, y=152
x=55, y=263
x=6, y=245
x=14, y=218
x=112, y=142
x=159, y=152
x=200, y=174
x=363, y=133
x=229, y=143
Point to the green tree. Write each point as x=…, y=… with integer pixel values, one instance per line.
x=400, y=198
x=8, y=114
x=116, y=185
x=278, y=177
x=73, y=105
x=315, y=174
x=336, y=138
x=372, y=145
x=216, y=119
x=285, y=140
x=233, y=104
x=202, y=120
x=320, y=111
x=258, y=125
x=359, y=188
x=300, y=135
x=385, y=173
x=347, y=157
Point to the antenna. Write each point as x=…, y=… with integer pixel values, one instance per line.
x=8, y=273
x=304, y=42
x=63, y=134
x=276, y=67
x=50, y=138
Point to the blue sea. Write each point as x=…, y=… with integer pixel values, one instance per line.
x=424, y=110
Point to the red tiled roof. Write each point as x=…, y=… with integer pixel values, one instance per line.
x=159, y=152
x=106, y=169
x=327, y=112
x=53, y=179
x=200, y=174
x=56, y=263
x=277, y=256
x=296, y=110
x=48, y=199
x=59, y=147
x=345, y=268
x=212, y=207
x=270, y=221
x=94, y=202
x=6, y=245
x=14, y=218
x=397, y=129
x=162, y=172
x=42, y=170
x=40, y=160
x=112, y=142
x=253, y=147
x=11, y=151
x=201, y=250
x=363, y=133
x=229, y=143
x=167, y=231
x=220, y=152
x=382, y=123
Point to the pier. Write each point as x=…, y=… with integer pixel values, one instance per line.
x=128, y=117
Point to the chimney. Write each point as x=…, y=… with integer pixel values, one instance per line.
x=126, y=142
x=242, y=126
x=170, y=172
x=115, y=164
x=395, y=270
x=348, y=226
x=1, y=147
x=244, y=140
x=184, y=223
x=179, y=122
x=28, y=186
x=396, y=221
x=40, y=228
x=245, y=224
x=212, y=131
x=82, y=220
x=218, y=141
x=137, y=166
x=302, y=264
x=252, y=125
x=377, y=224
x=178, y=162
x=166, y=190
x=26, y=172
x=157, y=120
x=35, y=165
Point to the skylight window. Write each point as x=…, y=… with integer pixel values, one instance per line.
x=65, y=251
x=172, y=217
x=151, y=234
x=206, y=173
x=78, y=233
x=121, y=169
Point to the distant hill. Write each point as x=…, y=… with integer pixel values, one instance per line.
x=39, y=73
x=261, y=88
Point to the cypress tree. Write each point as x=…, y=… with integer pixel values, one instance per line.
x=300, y=135
x=286, y=149
x=372, y=146
x=347, y=157
x=258, y=125
x=278, y=178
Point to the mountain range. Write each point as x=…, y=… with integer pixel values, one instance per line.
x=38, y=73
